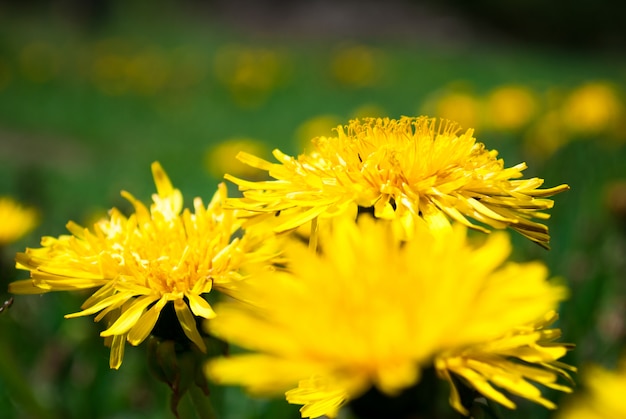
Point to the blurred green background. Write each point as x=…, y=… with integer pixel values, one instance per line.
x=92, y=92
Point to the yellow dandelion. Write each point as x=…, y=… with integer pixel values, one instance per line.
x=464, y=108
x=139, y=264
x=109, y=73
x=602, y=396
x=373, y=310
x=592, y=108
x=356, y=65
x=148, y=71
x=510, y=107
x=251, y=74
x=17, y=220
x=408, y=169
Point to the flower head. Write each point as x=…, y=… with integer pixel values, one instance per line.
x=592, y=108
x=157, y=256
x=372, y=310
x=16, y=220
x=409, y=169
x=510, y=107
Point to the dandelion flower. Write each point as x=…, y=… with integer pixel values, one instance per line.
x=408, y=169
x=592, y=108
x=17, y=220
x=463, y=107
x=603, y=397
x=139, y=264
x=511, y=107
x=370, y=310
x=251, y=74
x=357, y=66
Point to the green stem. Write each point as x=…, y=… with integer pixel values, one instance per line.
x=202, y=403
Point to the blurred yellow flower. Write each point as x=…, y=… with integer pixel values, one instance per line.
x=222, y=157
x=313, y=127
x=410, y=169
x=157, y=256
x=592, y=108
x=119, y=67
x=602, y=395
x=373, y=310
x=463, y=108
x=109, y=60
x=250, y=74
x=17, y=220
x=148, y=71
x=356, y=65
x=510, y=107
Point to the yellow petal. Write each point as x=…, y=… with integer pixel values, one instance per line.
x=482, y=386
x=549, y=191
x=436, y=219
x=117, y=351
x=145, y=324
x=26, y=286
x=254, y=161
x=188, y=323
x=383, y=209
x=268, y=375
x=394, y=378
x=129, y=317
x=199, y=306
x=162, y=182
x=486, y=211
x=141, y=212
x=64, y=281
x=300, y=218
x=455, y=396
x=114, y=300
x=102, y=293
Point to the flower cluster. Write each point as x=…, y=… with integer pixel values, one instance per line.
x=351, y=272
x=390, y=284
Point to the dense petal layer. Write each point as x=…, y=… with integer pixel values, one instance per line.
x=416, y=167
x=137, y=264
x=370, y=309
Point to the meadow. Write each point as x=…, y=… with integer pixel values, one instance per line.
x=83, y=114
